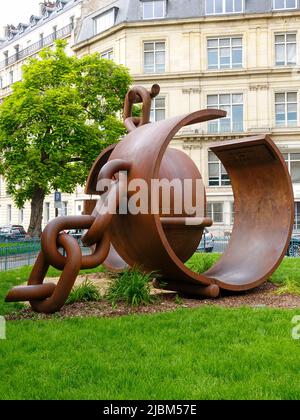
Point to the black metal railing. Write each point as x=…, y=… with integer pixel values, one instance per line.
x=34, y=48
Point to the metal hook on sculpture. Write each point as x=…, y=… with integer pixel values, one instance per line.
x=138, y=94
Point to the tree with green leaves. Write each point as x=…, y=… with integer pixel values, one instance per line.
x=56, y=122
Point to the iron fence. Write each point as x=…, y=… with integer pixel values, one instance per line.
x=37, y=46
x=24, y=253
x=20, y=254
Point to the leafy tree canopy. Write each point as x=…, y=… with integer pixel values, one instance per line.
x=55, y=123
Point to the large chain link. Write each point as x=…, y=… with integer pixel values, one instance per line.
x=48, y=297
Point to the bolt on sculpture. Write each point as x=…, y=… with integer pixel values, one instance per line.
x=164, y=242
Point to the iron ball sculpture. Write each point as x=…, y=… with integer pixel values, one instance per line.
x=155, y=241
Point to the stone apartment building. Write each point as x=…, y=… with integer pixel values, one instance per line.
x=56, y=20
x=238, y=55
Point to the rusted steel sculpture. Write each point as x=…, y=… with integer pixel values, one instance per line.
x=164, y=242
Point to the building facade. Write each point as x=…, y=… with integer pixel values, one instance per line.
x=57, y=20
x=239, y=55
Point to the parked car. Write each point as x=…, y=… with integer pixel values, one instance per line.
x=294, y=247
x=76, y=233
x=207, y=243
x=12, y=233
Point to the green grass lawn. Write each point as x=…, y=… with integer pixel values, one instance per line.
x=208, y=353
x=205, y=353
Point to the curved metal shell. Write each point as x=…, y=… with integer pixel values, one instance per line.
x=264, y=210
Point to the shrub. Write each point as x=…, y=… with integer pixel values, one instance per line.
x=200, y=263
x=178, y=300
x=86, y=292
x=290, y=287
x=131, y=287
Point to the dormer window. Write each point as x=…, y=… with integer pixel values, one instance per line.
x=34, y=20
x=22, y=27
x=47, y=10
x=105, y=21
x=155, y=9
x=11, y=32
x=284, y=4
x=221, y=7
x=60, y=4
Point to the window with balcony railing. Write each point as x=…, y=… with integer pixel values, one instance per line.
x=234, y=106
x=36, y=47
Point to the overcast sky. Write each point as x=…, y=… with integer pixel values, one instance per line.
x=16, y=11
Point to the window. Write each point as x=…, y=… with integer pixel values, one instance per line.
x=21, y=216
x=284, y=4
x=154, y=57
x=104, y=21
x=6, y=57
x=17, y=51
x=216, y=172
x=285, y=49
x=158, y=109
x=233, y=104
x=41, y=40
x=215, y=212
x=286, y=109
x=154, y=9
x=64, y=209
x=232, y=212
x=79, y=208
x=218, y=7
x=109, y=55
x=47, y=212
x=54, y=31
x=9, y=215
x=297, y=216
x=225, y=53
x=293, y=163
x=11, y=78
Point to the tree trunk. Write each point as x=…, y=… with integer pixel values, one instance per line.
x=36, y=217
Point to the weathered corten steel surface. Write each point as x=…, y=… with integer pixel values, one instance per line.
x=163, y=242
x=264, y=211
x=48, y=298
